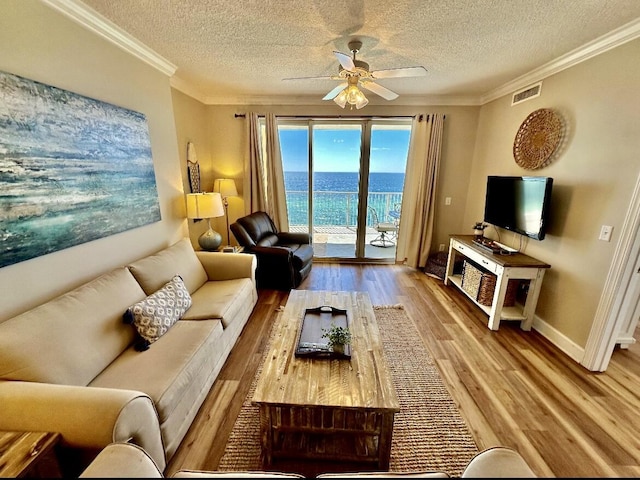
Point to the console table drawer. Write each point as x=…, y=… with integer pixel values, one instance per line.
x=480, y=259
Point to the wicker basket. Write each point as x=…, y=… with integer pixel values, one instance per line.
x=471, y=277
x=481, y=285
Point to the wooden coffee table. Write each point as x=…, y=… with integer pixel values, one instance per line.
x=319, y=408
x=29, y=455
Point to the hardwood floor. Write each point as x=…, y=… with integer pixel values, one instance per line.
x=513, y=387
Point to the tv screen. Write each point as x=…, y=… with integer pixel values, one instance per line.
x=519, y=204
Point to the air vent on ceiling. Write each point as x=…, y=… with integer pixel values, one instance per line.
x=526, y=94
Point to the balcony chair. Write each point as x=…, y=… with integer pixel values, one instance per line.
x=284, y=258
x=386, y=231
x=395, y=218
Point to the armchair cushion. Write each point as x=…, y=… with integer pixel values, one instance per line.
x=268, y=240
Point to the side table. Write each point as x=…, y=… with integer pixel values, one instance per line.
x=236, y=249
x=29, y=454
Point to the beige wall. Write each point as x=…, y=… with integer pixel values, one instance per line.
x=40, y=44
x=191, y=126
x=594, y=177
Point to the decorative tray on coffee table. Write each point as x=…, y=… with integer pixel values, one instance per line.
x=311, y=343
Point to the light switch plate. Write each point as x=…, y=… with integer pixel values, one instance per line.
x=605, y=233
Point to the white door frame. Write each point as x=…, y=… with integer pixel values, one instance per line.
x=609, y=319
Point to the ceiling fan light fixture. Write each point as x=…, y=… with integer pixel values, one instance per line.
x=341, y=98
x=355, y=96
x=361, y=100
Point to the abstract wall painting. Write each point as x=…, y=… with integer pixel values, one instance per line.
x=72, y=170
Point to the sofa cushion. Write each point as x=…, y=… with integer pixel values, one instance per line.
x=156, y=314
x=73, y=337
x=170, y=372
x=154, y=271
x=222, y=299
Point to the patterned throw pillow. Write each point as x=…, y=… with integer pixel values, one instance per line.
x=156, y=314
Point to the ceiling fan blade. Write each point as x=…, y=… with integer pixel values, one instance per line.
x=379, y=90
x=335, y=91
x=323, y=77
x=345, y=60
x=400, y=72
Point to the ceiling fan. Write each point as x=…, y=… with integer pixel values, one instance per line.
x=354, y=73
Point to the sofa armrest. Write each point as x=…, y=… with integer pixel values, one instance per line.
x=122, y=460
x=86, y=417
x=294, y=238
x=284, y=254
x=228, y=266
x=498, y=462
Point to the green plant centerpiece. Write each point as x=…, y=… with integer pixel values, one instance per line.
x=338, y=337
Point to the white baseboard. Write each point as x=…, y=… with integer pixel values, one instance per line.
x=573, y=350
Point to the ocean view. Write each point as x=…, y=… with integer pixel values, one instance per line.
x=336, y=196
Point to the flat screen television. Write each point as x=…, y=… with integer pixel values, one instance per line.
x=519, y=204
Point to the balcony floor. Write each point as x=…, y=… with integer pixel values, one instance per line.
x=339, y=242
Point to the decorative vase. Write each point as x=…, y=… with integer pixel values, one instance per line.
x=478, y=230
x=338, y=348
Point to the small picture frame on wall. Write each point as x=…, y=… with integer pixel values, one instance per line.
x=193, y=168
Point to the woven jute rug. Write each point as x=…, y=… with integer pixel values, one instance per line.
x=428, y=433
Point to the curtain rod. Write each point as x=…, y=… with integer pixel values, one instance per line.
x=243, y=115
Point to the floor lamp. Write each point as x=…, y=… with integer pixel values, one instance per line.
x=226, y=187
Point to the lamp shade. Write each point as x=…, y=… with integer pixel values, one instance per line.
x=204, y=205
x=226, y=187
x=341, y=98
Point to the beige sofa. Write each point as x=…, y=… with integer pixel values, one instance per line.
x=70, y=365
x=130, y=461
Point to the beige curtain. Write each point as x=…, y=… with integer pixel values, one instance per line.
x=266, y=177
x=419, y=197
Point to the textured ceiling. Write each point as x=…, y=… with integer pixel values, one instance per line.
x=228, y=49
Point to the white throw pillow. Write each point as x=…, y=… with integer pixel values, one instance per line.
x=156, y=314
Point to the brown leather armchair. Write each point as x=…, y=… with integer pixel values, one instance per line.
x=284, y=258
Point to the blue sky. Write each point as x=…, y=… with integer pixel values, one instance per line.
x=338, y=150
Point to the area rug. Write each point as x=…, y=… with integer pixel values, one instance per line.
x=428, y=433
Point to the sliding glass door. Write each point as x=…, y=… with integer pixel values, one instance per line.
x=343, y=182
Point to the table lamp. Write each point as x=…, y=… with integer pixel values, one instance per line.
x=206, y=205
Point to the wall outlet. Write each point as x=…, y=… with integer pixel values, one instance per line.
x=441, y=247
x=447, y=201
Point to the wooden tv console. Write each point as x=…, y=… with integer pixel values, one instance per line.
x=505, y=267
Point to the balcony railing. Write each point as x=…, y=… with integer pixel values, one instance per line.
x=340, y=208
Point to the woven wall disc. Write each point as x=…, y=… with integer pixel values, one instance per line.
x=537, y=139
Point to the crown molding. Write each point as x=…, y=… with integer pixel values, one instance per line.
x=93, y=21
x=187, y=88
x=404, y=100
x=611, y=40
